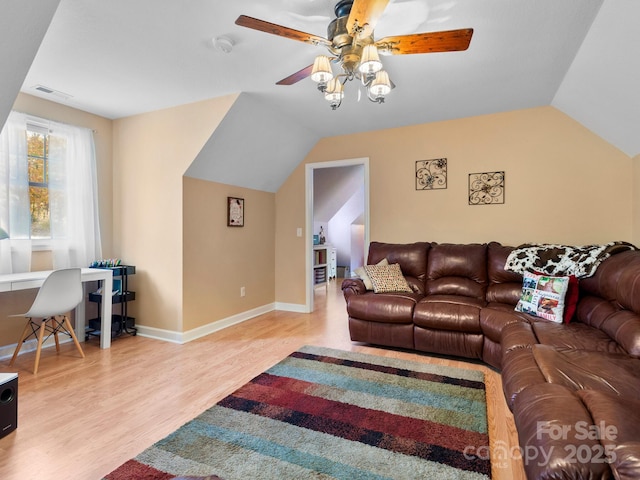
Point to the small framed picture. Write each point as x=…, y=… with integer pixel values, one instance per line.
x=235, y=212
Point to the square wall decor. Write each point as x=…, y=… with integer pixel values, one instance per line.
x=486, y=188
x=431, y=174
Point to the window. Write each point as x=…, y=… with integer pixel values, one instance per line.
x=48, y=193
x=38, y=160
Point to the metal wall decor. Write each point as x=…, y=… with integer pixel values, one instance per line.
x=431, y=174
x=486, y=188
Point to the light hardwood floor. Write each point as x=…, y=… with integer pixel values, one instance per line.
x=82, y=418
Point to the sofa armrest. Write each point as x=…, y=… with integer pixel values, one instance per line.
x=551, y=423
x=353, y=286
x=517, y=336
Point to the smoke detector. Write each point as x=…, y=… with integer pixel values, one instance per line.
x=223, y=44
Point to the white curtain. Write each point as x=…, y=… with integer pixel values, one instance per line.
x=73, y=195
x=15, y=212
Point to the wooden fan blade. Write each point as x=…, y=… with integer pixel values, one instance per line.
x=447, y=41
x=281, y=31
x=365, y=13
x=296, y=77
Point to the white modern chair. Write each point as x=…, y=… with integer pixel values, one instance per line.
x=60, y=293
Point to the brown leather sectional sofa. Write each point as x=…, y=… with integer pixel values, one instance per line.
x=574, y=388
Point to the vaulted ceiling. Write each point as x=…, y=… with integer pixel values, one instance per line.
x=121, y=57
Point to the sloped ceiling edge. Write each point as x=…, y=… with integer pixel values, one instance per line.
x=255, y=146
x=27, y=20
x=600, y=89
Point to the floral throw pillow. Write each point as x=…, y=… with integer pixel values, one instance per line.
x=543, y=296
x=387, y=278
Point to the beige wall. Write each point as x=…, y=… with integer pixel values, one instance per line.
x=290, y=249
x=218, y=260
x=563, y=184
x=151, y=153
x=636, y=201
x=18, y=302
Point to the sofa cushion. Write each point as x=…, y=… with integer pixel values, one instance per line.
x=446, y=342
x=383, y=307
x=627, y=461
x=387, y=278
x=605, y=281
x=618, y=422
x=581, y=369
x=411, y=257
x=519, y=371
x=551, y=420
x=495, y=316
x=457, y=270
x=504, y=286
x=543, y=296
x=575, y=335
x=381, y=333
x=449, y=312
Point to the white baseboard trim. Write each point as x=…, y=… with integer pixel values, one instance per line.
x=159, y=334
x=188, y=336
x=6, y=351
x=173, y=336
x=292, y=307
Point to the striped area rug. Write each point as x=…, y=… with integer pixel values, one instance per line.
x=323, y=413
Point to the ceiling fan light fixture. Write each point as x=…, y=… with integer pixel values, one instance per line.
x=321, y=72
x=352, y=45
x=370, y=61
x=334, y=93
x=380, y=86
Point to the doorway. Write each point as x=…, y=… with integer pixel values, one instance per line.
x=363, y=221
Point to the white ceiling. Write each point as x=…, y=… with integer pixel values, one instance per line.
x=122, y=57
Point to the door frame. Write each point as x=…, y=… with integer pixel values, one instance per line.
x=309, y=169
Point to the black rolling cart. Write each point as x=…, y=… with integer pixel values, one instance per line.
x=121, y=323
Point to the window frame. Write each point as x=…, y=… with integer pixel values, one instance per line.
x=42, y=243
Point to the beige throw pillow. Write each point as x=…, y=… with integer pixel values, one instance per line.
x=360, y=272
x=387, y=278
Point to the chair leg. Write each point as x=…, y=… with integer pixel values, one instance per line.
x=54, y=320
x=73, y=335
x=40, y=339
x=25, y=334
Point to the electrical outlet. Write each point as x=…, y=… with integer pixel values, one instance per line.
x=242, y=292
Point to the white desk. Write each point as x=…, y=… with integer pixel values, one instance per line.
x=23, y=281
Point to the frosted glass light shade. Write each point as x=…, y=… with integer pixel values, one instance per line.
x=321, y=72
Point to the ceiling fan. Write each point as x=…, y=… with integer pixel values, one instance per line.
x=351, y=44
